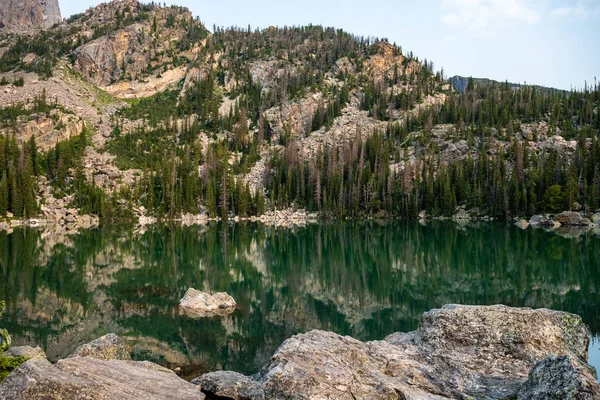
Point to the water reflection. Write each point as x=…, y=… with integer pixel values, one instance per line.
x=364, y=280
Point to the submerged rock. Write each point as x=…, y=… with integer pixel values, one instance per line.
x=457, y=352
x=108, y=347
x=200, y=304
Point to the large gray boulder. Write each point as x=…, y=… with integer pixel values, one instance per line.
x=93, y=379
x=200, y=304
x=569, y=218
x=457, y=352
x=108, y=347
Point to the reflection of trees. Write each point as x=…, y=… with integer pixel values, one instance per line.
x=365, y=280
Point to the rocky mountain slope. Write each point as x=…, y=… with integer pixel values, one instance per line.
x=21, y=15
x=179, y=120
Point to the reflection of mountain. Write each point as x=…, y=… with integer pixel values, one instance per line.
x=362, y=280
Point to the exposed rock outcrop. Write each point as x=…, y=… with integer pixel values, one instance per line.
x=457, y=352
x=200, y=304
x=22, y=15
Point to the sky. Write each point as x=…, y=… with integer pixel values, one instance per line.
x=553, y=43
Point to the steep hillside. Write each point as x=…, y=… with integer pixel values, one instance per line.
x=139, y=107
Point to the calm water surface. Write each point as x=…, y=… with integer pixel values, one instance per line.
x=364, y=280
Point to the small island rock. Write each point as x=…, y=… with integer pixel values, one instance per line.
x=201, y=304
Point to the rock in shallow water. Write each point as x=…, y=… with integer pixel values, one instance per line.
x=108, y=347
x=199, y=304
x=457, y=352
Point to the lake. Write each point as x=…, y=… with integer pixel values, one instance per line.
x=366, y=280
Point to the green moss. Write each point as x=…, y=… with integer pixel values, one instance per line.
x=9, y=364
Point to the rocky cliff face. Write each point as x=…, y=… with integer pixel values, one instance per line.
x=21, y=15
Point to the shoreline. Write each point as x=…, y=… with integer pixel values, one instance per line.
x=454, y=353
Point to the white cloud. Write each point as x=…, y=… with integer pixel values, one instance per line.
x=482, y=17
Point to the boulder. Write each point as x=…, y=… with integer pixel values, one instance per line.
x=596, y=218
x=201, y=304
x=108, y=347
x=27, y=351
x=543, y=221
x=522, y=223
x=569, y=218
x=93, y=379
x=231, y=385
x=560, y=377
x=457, y=352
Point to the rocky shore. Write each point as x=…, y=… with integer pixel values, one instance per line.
x=458, y=352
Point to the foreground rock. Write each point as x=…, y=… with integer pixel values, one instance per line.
x=457, y=352
x=89, y=378
x=200, y=304
x=93, y=373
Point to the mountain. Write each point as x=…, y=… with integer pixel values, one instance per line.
x=461, y=83
x=21, y=15
x=133, y=109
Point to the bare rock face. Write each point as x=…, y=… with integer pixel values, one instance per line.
x=457, y=352
x=108, y=347
x=21, y=15
x=560, y=377
x=200, y=304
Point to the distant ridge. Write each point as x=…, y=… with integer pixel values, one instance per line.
x=460, y=84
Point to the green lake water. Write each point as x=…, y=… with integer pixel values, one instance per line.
x=366, y=280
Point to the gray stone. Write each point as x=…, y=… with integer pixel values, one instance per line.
x=560, y=377
x=200, y=304
x=457, y=352
x=569, y=218
x=108, y=347
x=230, y=385
x=27, y=351
x=92, y=379
x=543, y=221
